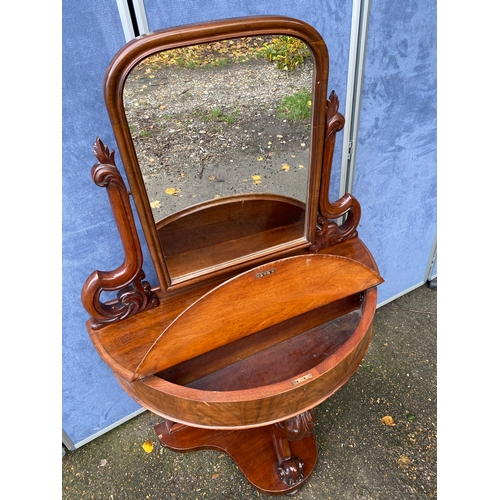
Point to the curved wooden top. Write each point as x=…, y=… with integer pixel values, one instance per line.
x=261, y=297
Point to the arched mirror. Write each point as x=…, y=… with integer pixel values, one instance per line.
x=222, y=119
x=220, y=130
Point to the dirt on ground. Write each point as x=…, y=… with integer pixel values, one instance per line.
x=213, y=131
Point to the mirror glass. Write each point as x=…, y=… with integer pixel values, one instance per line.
x=223, y=124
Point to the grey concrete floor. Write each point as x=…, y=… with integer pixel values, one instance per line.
x=359, y=457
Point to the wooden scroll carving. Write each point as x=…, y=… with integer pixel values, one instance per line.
x=329, y=232
x=134, y=295
x=289, y=467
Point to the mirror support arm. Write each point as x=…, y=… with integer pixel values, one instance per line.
x=328, y=232
x=134, y=295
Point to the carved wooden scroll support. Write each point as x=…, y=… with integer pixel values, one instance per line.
x=329, y=232
x=134, y=295
x=291, y=468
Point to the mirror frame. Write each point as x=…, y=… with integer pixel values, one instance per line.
x=144, y=46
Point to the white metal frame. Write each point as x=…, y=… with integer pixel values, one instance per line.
x=432, y=261
x=126, y=19
x=359, y=36
x=140, y=14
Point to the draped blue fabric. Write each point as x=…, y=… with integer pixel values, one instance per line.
x=92, y=33
x=395, y=175
x=395, y=171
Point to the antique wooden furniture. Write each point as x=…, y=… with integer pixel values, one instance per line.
x=264, y=302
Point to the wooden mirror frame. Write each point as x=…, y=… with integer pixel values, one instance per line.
x=322, y=216
x=142, y=47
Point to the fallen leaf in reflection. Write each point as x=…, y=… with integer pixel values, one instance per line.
x=155, y=204
x=260, y=158
x=172, y=191
x=285, y=167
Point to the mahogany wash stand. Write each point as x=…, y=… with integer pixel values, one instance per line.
x=264, y=303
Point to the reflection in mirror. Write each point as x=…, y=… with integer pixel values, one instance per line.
x=220, y=119
x=224, y=119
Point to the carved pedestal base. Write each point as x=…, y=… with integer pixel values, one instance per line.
x=265, y=455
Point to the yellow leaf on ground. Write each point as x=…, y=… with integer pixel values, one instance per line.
x=148, y=446
x=172, y=191
x=155, y=204
x=388, y=420
x=404, y=461
x=255, y=177
x=285, y=167
x=260, y=158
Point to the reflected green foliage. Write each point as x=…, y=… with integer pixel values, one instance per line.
x=287, y=51
x=296, y=106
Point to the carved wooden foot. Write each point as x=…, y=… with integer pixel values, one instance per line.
x=291, y=468
x=255, y=450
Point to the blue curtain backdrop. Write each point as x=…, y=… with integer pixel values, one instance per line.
x=395, y=174
x=92, y=33
x=395, y=171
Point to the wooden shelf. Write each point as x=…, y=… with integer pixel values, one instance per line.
x=219, y=233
